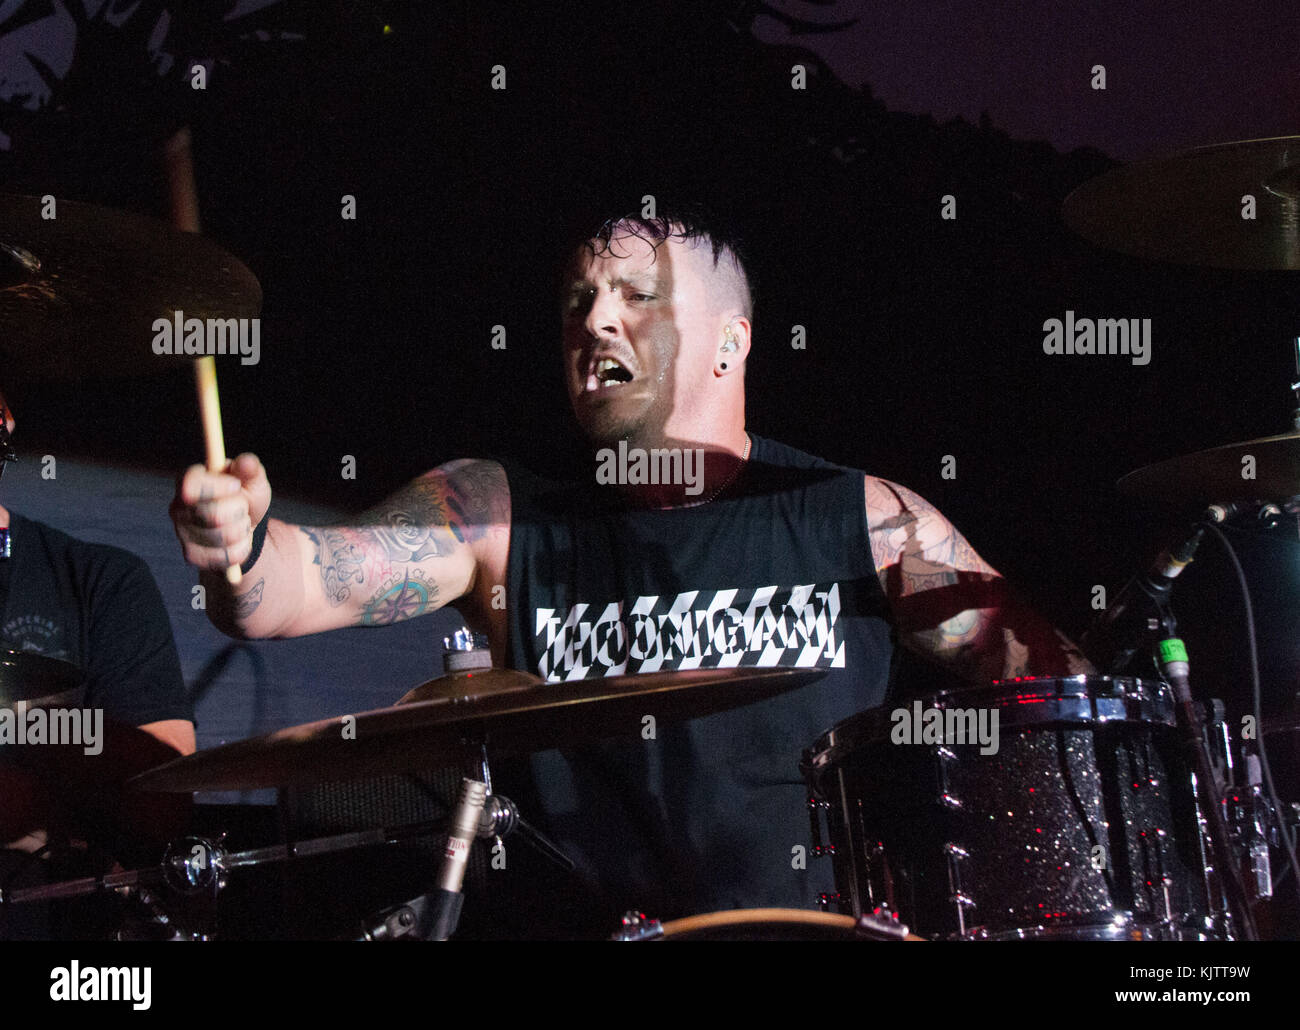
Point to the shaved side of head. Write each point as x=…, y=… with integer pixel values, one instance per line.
x=695, y=228
x=732, y=291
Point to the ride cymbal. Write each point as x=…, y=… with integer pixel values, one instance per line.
x=1216, y=474
x=1191, y=208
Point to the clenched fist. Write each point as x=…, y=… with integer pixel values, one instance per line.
x=214, y=512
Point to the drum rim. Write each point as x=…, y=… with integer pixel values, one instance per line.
x=863, y=728
x=739, y=918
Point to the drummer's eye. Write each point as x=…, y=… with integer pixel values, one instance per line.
x=578, y=300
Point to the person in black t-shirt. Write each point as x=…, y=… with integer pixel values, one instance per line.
x=98, y=609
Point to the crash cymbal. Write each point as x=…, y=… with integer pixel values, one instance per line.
x=514, y=720
x=1214, y=475
x=1187, y=209
x=79, y=293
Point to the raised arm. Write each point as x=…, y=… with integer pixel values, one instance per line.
x=949, y=604
x=420, y=549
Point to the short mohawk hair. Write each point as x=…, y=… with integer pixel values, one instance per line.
x=684, y=223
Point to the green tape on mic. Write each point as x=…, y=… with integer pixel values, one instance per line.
x=1173, y=650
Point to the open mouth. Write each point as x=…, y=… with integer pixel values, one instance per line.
x=607, y=374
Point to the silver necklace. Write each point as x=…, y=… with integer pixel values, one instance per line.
x=744, y=458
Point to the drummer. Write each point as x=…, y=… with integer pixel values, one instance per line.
x=98, y=609
x=746, y=552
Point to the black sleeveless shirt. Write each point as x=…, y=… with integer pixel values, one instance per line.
x=708, y=814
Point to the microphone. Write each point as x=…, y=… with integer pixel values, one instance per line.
x=1148, y=588
x=435, y=915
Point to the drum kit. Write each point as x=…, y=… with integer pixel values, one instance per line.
x=1112, y=807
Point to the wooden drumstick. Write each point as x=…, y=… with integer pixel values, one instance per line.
x=185, y=216
x=205, y=380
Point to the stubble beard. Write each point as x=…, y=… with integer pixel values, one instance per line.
x=606, y=430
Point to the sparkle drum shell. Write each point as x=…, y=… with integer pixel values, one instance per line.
x=1081, y=824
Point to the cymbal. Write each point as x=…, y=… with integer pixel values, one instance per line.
x=39, y=681
x=1214, y=475
x=59, y=787
x=514, y=716
x=79, y=293
x=464, y=685
x=1187, y=209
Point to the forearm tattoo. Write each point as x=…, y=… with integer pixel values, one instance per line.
x=387, y=553
x=340, y=559
x=249, y=602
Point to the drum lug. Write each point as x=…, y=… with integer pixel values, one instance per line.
x=962, y=902
x=955, y=855
x=944, y=756
x=815, y=808
x=636, y=927
x=825, y=901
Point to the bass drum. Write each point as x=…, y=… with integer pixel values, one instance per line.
x=1074, y=819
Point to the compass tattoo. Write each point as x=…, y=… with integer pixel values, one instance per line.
x=403, y=598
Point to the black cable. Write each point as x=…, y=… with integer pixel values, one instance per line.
x=1280, y=810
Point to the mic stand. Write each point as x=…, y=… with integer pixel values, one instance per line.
x=1172, y=656
x=478, y=813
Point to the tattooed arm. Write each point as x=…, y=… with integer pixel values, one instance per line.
x=949, y=604
x=421, y=549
